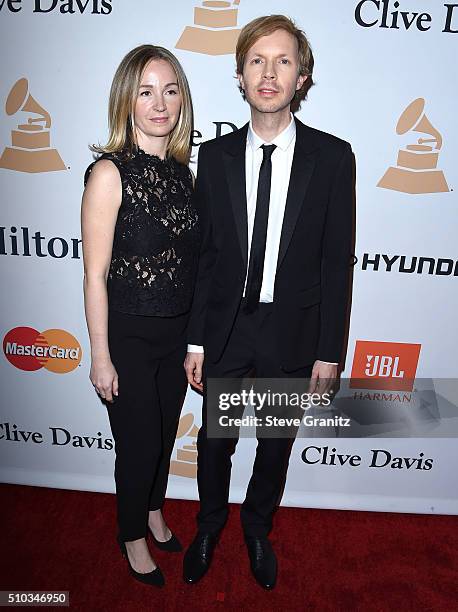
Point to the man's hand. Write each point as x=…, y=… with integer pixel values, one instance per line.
x=193, y=367
x=323, y=377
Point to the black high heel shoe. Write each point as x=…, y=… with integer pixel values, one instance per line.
x=171, y=545
x=154, y=578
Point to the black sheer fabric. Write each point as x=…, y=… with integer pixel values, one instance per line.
x=156, y=240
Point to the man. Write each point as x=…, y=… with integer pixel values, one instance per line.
x=275, y=205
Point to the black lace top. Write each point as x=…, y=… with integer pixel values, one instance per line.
x=156, y=239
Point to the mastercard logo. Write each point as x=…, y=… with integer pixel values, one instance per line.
x=54, y=349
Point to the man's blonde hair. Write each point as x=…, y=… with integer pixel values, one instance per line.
x=263, y=26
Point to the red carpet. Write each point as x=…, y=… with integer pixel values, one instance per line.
x=329, y=560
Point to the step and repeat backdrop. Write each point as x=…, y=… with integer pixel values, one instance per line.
x=384, y=74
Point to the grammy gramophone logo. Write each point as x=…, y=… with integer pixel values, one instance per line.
x=416, y=170
x=185, y=463
x=30, y=149
x=215, y=29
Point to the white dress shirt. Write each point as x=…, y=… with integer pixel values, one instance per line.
x=282, y=159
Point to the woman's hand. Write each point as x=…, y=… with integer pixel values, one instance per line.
x=105, y=379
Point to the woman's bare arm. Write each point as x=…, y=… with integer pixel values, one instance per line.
x=99, y=210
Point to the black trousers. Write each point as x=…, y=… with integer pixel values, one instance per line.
x=251, y=348
x=148, y=354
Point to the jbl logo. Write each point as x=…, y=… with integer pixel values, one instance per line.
x=384, y=365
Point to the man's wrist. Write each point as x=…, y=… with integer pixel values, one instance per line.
x=195, y=348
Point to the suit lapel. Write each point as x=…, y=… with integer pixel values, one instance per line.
x=234, y=162
x=301, y=172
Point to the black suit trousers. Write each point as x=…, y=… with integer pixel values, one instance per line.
x=251, y=350
x=148, y=354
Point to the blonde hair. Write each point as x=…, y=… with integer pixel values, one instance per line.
x=263, y=26
x=123, y=95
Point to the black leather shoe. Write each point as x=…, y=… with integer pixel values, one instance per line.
x=154, y=578
x=198, y=557
x=263, y=561
x=171, y=545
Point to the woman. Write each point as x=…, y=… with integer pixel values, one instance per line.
x=140, y=244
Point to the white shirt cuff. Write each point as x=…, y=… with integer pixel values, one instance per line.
x=195, y=348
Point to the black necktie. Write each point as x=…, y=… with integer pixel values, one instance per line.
x=258, y=240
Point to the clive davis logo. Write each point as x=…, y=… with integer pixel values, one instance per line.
x=54, y=349
x=215, y=29
x=416, y=169
x=384, y=365
x=30, y=149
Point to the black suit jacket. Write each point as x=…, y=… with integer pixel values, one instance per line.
x=312, y=276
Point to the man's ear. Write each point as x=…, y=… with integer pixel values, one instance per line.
x=300, y=81
x=241, y=81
